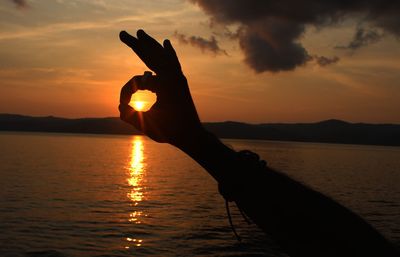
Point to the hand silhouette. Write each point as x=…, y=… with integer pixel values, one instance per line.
x=173, y=118
x=303, y=221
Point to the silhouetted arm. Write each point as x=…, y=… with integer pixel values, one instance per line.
x=301, y=220
x=304, y=222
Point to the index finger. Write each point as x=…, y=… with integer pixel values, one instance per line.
x=141, y=82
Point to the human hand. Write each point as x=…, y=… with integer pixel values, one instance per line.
x=173, y=118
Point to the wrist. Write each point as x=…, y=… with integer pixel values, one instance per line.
x=195, y=139
x=207, y=150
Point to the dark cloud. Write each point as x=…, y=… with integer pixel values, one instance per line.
x=203, y=44
x=270, y=31
x=20, y=3
x=361, y=38
x=324, y=61
x=266, y=50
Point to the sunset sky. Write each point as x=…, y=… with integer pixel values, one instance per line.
x=64, y=58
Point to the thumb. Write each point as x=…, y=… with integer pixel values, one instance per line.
x=131, y=116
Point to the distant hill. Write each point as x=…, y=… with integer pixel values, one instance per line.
x=14, y=122
x=329, y=131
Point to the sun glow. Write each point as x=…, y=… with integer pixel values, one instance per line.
x=139, y=105
x=136, y=172
x=143, y=100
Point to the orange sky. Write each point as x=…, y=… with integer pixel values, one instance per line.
x=64, y=58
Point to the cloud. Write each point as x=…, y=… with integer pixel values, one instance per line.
x=270, y=31
x=210, y=45
x=361, y=38
x=324, y=61
x=20, y=3
x=269, y=45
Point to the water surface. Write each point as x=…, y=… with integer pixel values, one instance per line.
x=99, y=195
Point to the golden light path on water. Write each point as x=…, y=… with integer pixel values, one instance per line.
x=136, y=171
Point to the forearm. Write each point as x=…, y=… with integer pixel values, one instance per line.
x=302, y=221
x=307, y=223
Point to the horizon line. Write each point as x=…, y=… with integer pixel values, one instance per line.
x=224, y=121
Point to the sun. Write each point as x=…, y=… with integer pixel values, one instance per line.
x=139, y=105
x=142, y=100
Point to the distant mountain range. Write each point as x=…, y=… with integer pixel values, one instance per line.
x=329, y=131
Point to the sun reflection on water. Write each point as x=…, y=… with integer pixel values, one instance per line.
x=135, y=181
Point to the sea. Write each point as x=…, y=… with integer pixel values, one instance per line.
x=122, y=195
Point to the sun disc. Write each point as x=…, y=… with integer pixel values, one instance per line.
x=138, y=105
x=142, y=100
